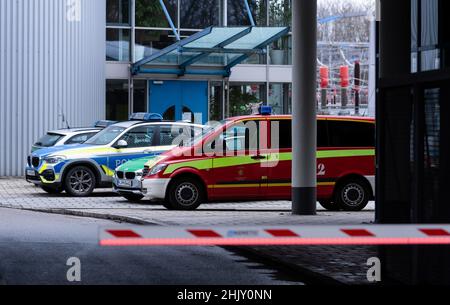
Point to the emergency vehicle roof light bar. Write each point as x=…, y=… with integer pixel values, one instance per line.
x=148, y=117
x=169, y=19
x=104, y=123
x=265, y=110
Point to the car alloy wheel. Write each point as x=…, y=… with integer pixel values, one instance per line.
x=80, y=181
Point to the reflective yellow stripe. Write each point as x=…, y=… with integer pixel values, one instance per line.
x=226, y=186
x=222, y=162
x=88, y=151
x=326, y=184
x=345, y=153
x=199, y=164
x=109, y=172
x=43, y=168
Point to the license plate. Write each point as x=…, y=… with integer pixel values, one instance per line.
x=31, y=172
x=125, y=183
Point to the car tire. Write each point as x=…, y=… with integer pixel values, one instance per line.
x=185, y=194
x=352, y=194
x=52, y=190
x=133, y=197
x=80, y=181
x=330, y=205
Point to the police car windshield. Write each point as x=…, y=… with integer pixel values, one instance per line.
x=105, y=136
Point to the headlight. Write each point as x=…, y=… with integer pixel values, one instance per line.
x=54, y=159
x=139, y=174
x=157, y=169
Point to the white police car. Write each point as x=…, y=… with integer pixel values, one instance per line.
x=70, y=135
x=79, y=169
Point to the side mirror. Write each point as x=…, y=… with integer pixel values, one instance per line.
x=121, y=144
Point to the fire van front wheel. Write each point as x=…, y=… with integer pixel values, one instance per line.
x=352, y=194
x=79, y=181
x=185, y=194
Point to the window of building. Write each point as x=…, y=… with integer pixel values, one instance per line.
x=351, y=134
x=149, y=42
x=279, y=96
x=280, y=13
x=149, y=13
x=244, y=97
x=216, y=101
x=425, y=51
x=238, y=16
x=117, y=44
x=118, y=12
x=280, y=52
x=139, y=96
x=117, y=100
x=200, y=14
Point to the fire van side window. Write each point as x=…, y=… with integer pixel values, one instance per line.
x=351, y=134
x=285, y=134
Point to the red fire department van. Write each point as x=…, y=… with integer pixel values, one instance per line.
x=249, y=158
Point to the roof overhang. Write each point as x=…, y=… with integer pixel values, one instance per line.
x=211, y=52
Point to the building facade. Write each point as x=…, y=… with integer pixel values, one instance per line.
x=136, y=29
x=66, y=63
x=52, y=71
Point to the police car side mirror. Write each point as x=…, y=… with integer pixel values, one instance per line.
x=121, y=144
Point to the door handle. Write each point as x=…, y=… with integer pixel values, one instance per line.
x=259, y=157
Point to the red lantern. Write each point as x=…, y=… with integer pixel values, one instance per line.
x=344, y=74
x=324, y=77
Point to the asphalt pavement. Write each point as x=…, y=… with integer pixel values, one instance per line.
x=35, y=248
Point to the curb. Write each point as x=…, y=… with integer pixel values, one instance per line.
x=116, y=218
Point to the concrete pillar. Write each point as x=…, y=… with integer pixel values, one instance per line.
x=304, y=122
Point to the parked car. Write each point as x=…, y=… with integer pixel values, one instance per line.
x=231, y=163
x=79, y=169
x=69, y=136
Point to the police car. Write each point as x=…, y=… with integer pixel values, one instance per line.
x=69, y=136
x=79, y=169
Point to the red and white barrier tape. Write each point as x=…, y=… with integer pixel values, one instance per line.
x=282, y=235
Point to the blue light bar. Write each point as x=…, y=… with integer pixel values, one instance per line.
x=148, y=117
x=265, y=110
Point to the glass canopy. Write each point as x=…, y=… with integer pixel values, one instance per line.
x=213, y=51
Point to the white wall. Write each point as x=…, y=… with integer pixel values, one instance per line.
x=52, y=62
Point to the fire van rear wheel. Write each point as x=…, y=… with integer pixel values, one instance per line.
x=185, y=194
x=79, y=181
